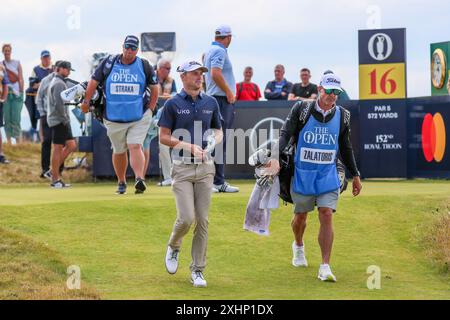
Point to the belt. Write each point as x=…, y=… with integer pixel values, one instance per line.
x=192, y=160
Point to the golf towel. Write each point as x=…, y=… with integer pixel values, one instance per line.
x=262, y=199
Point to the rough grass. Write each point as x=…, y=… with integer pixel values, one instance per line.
x=25, y=166
x=119, y=242
x=29, y=270
x=435, y=236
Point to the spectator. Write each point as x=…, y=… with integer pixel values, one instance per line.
x=3, y=95
x=167, y=85
x=39, y=73
x=45, y=133
x=279, y=88
x=12, y=107
x=128, y=111
x=247, y=90
x=304, y=90
x=221, y=84
x=58, y=120
x=167, y=90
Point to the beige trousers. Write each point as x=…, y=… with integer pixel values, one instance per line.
x=192, y=186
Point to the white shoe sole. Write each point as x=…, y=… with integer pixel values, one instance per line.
x=328, y=278
x=167, y=269
x=300, y=265
x=198, y=285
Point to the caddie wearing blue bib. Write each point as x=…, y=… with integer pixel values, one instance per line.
x=321, y=130
x=128, y=110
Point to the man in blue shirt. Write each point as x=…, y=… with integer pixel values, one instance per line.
x=279, y=88
x=220, y=84
x=191, y=124
x=128, y=113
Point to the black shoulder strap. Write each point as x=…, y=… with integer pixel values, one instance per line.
x=255, y=88
x=305, y=113
x=345, y=119
x=147, y=69
x=240, y=86
x=108, y=65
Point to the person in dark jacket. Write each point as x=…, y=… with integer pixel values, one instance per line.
x=39, y=72
x=279, y=88
x=315, y=182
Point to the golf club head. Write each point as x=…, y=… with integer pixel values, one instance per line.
x=259, y=157
x=211, y=143
x=77, y=93
x=73, y=93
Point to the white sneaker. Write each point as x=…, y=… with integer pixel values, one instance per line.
x=198, y=280
x=165, y=183
x=59, y=184
x=215, y=190
x=48, y=175
x=325, y=273
x=225, y=187
x=172, y=260
x=298, y=259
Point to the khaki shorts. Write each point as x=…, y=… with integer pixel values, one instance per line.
x=123, y=134
x=304, y=203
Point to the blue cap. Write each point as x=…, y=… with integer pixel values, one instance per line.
x=45, y=53
x=131, y=41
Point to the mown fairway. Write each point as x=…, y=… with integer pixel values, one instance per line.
x=119, y=242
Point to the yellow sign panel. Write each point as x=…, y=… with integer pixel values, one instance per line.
x=382, y=81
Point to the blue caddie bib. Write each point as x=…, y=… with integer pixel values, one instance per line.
x=315, y=157
x=124, y=92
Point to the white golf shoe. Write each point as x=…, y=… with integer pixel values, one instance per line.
x=225, y=188
x=165, y=183
x=325, y=273
x=172, y=260
x=298, y=259
x=198, y=280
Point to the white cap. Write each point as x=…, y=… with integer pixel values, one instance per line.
x=191, y=65
x=223, y=31
x=331, y=81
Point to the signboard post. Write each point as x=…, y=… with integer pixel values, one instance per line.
x=382, y=93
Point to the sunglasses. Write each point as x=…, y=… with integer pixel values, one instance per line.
x=129, y=46
x=336, y=92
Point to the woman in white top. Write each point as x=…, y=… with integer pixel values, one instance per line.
x=12, y=107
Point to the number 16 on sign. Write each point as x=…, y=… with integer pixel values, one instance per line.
x=382, y=81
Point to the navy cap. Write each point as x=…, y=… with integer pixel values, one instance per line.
x=131, y=41
x=45, y=53
x=65, y=65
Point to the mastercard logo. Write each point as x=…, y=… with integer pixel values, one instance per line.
x=433, y=137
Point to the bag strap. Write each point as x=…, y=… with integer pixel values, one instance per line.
x=255, y=88
x=303, y=117
x=108, y=65
x=147, y=69
x=240, y=88
x=345, y=119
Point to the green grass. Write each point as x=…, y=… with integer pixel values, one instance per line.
x=120, y=242
x=30, y=270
